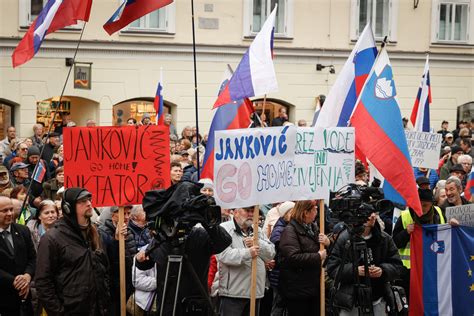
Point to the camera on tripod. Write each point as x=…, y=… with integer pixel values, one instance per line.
x=176, y=210
x=353, y=204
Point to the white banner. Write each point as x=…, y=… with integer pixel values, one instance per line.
x=463, y=213
x=424, y=148
x=270, y=165
x=324, y=161
x=253, y=166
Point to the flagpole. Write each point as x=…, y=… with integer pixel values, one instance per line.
x=196, y=105
x=52, y=120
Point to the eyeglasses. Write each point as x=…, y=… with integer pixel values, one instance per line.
x=24, y=149
x=466, y=163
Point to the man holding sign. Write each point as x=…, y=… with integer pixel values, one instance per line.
x=235, y=264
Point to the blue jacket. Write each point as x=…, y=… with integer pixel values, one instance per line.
x=278, y=229
x=433, y=176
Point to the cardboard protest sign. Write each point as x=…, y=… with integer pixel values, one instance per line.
x=253, y=166
x=324, y=161
x=463, y=213
x=424, y=148
x=117, y=164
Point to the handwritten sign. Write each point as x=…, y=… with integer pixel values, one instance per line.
x=253, y=166
x=324, y=161
x=424, y=148
x=117, y=164
x=463, y=213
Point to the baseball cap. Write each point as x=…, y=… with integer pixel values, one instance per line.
x=449, y=135
x=457, y=168
x=422, y=180
x=18, y=165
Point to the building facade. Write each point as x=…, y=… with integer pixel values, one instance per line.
x=126, y=67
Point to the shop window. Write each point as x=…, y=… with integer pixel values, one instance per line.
x=136, y=109
x=6, y=119
x=45, y=110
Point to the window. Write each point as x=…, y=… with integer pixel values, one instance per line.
x=453, y=22
x=30, y=9
x=257, y=11
x=159, y=21
x=381, y=14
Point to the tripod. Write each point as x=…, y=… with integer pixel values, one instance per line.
x=174, y=268
x=362, y=292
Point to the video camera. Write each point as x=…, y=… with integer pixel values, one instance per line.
x=179, y=208
x=353, y=204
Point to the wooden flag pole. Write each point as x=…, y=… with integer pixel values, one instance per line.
x=263, y=110
x=253, y=285
x=123, y=303
x=322, y=282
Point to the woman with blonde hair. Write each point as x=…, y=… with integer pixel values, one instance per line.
x=46, y=215
x=301, y=260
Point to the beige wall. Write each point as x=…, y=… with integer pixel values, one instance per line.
x=126, y=67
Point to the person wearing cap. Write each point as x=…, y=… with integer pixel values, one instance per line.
x=430, y=174
x=448, y=140
x=72, y=267
x=456, y=151
x=405, y=225
x=20, y=175
x=109, y=233
x=17, y=262
x=207, y=187
x=50, y=147
x=284, y=213
x=457, y=171
x=146, y=119
x=235, y=266
x=423, y=183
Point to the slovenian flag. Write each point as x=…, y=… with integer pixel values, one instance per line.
x=40, y=172
x=380, y=135
x=342, y=98
x=158, y=104
x=56, y=14
x=469, y=190
x=255, y=74
x=131, y=10
x=233, y=115
x=442, y=261
x=420, y=115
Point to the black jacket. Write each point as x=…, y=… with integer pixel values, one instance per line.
x=111, y=246
x=382, y=251
x=22, y=262
x=200, y=245
x=71, y=278
x=300, y=262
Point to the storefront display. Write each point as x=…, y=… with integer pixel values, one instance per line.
x=45, y=110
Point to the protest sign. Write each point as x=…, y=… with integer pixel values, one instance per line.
x=424, y=148
x=324, y=161
x=463, y=213
x=253, y=166
x=117, y=164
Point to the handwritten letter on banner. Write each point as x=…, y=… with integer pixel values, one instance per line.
x=424, y=148
x=117, y=164
x=269, y=165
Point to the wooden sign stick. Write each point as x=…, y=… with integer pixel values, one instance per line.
x=123, y=302
x=321, y=247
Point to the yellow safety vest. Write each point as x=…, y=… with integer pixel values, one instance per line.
x=407, y=220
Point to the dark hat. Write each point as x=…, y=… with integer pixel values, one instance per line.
x=53, y=134
x=404, y=119
x=455, y=149
x=444, y=122
x=33, y=151
x=425, y=195
x=18, y=165
x=71, y=196
x=457, y=168
x=422, y=180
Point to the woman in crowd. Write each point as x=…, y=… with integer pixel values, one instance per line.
x=46, y=215
x=51, y=187
x=301, y=260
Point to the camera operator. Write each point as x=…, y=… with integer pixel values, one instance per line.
x=383, y=262
x=197, y=246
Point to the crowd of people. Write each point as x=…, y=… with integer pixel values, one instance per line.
x=60, y=255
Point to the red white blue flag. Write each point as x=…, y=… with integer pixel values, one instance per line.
x=342, y=98
x=131, y=10
x=56, y=14
x=469, y=190
x=158, y=104
x=255, y=74
x=420, y=115
x=40, y=172
x=380, y=135
x=442, y=261
x=233, y=115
